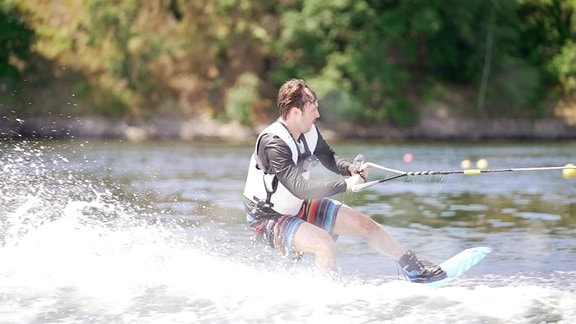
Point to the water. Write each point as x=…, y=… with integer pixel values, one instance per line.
x=112, y=232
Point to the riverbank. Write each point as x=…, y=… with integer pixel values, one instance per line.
x=163, y=128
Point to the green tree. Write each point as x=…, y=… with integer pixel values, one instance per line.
x=549, y=31
x=371, y=60
x=343, y=48
x=16, y=40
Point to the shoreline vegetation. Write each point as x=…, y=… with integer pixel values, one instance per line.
x=194, y=70
x=186, y=70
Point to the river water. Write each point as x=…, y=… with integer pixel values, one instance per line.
x=116, y=232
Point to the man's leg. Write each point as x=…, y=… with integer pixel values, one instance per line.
x=354, y=223
x=313, y=239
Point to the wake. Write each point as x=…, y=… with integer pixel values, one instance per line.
x=72, y=251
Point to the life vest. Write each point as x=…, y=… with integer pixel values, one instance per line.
x=264, y=188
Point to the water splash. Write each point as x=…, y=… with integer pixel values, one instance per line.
x=73, y=252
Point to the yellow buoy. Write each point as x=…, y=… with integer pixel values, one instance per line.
x=466, y=164
x=569, y=172
x=482, y=164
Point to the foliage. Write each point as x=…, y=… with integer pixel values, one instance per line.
x=241, y=97
x=548, y=35
x=15, y=42
x=368, y=60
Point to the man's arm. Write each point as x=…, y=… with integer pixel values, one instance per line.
x=276, y=158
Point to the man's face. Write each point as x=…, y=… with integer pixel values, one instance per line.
x=309, y=115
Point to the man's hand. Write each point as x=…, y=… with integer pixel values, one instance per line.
x=353, y=180
x=363, y=172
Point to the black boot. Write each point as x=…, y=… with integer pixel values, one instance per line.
x=420, y=271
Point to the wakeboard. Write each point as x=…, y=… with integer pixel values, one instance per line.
x=460, y=263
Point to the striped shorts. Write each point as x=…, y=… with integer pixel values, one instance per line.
x=279, y=232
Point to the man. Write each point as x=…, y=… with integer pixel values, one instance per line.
x=291, y=212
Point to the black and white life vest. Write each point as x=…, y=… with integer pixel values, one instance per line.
x=264, y=187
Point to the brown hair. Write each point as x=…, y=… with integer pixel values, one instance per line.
x=293, y=93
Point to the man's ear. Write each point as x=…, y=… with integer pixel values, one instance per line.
x=295, y=111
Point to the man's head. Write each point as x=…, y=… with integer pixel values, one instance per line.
x=298, y=106
x=294, y=93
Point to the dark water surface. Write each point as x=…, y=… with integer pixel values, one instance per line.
x=119, y=232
